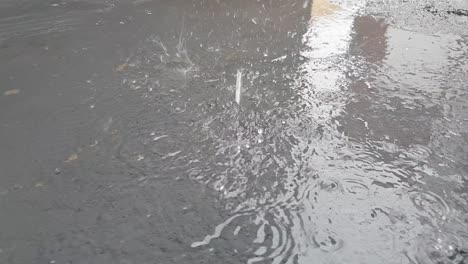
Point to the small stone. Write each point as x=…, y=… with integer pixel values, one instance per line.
x=121, y=67
x=57, y=171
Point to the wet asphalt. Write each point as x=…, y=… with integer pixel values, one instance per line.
x=243, y=131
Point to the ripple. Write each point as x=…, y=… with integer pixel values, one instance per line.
x=327, y=241
x=330, y=185
x=356, y=188
x=30, y=25
x=433, y=206
x=217, y=233
x=273, y=240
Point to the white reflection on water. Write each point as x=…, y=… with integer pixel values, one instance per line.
x=342, y=200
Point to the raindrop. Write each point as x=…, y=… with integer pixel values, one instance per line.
x=327, y=241
x=237, y=230
x=329, y=185
x=441, y=248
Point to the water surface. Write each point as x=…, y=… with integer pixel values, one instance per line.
x=241, y=131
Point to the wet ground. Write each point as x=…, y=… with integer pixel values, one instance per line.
x=215, y=131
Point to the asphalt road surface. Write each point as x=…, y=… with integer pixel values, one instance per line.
x=233, y=131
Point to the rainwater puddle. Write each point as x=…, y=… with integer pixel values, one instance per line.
x=266, y=132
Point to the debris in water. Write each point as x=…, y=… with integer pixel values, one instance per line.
x=238, y=86
x=11, y=92
x=71, y=158
x=121, y=67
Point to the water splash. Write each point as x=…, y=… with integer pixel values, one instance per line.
x=238, y=86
